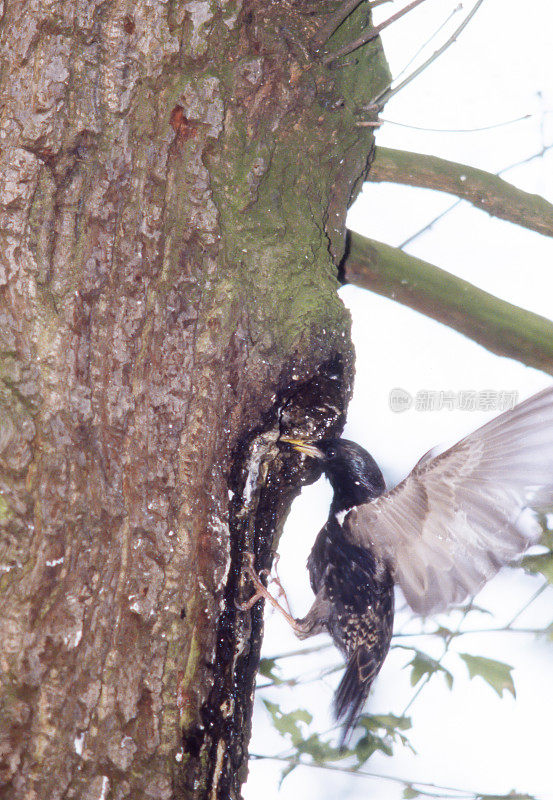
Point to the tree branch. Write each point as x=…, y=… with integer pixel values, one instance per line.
x=334, y=22
x=496, y=325
x=371, y=34
x=483, y=189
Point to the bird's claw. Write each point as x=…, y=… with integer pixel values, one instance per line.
x=248, y=604
x=255, y=578
x=276, y=580
x=263, y=593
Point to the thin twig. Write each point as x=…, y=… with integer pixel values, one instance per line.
x=302, y=651
x=456, y=130
x=385, y=95
x=459, y=793
x=301, y=680
x=467, y=632
x=371, y=34
x=458, y=632
x=427, y=227
x=527, y=605
x=447, y=643
x=522, y=162
x=427, y=42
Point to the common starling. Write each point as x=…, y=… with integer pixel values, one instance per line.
x=439, y=535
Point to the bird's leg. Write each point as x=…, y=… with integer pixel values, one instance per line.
x=258, y=595
x=276, y=580
x=263, y=592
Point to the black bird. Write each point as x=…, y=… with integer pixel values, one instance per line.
x=440, y=534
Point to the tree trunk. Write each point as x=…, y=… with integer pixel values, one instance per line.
x=175, y=178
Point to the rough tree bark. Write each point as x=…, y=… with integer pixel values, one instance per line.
x=175, y=178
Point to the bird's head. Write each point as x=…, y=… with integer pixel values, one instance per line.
x=353, y=473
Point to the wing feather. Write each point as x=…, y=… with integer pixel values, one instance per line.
x=460, y=516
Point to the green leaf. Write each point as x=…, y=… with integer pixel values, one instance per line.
x=268, y=667
x=443, y=633
x=495, y=673
x=288, y=724
x=292, y=764
x=547, y=535
x=320, y=751
x=369, y=744
x=470, y=606
x=390, y=723
x=381, y=730
x=423, y=664
x=409, y=793
x=541, y=563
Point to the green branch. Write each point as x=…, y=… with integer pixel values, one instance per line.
x=499, y=326
x=482, y=189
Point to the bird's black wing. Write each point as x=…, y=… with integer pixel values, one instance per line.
x=458, y=517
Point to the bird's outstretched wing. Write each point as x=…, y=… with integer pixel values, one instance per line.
x=458, y=517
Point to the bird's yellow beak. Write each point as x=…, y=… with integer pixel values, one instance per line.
x=303, y=447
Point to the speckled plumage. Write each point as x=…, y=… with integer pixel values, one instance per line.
x=360, y=612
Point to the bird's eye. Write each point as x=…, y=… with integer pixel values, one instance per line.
x=331, y=452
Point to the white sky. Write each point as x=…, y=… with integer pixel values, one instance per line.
x=500, y=69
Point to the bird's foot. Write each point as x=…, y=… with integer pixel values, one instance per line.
x=280, y=588
x=261, y=592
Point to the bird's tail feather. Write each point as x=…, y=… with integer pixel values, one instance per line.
x=352, y=692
